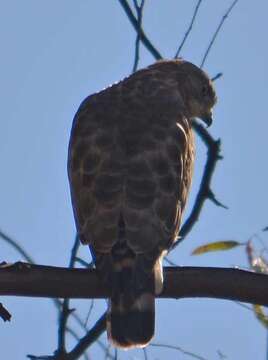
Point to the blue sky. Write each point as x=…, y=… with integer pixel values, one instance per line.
x=53, y=54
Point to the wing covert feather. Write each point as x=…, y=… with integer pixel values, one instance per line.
x=126, y=158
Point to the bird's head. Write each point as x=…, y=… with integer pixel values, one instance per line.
x=190, y=86
x=197, y=90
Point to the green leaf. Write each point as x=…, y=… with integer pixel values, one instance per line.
x=261, y=316
x=216, y=246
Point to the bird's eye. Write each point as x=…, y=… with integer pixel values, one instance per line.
x=205, y=90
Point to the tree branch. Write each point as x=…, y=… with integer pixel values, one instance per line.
x=89, y=338
x=65, y=309
x=143, y=38
x=139, y=10
x=178, y=348
x=217, y=32
x=189, y=29
x=4, y=314
x=16, y=246
x=22, y=279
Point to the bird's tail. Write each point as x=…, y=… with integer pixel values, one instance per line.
x=136, y=278
x=131, y=316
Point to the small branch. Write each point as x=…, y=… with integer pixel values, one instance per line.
x=213, y=155
x=107, y=352
x=145, y=354
x=82, y=345
x=76, y=337
x=139, y=10
x=4, y=314
x=89, y=338
x=144, y=39
x=211, y=196
x=41, y=357
x=74, y=252
x=217, y=32
x=89, y=311
x=84, y=263
x=65, y=311
x=178, y=348
x=16, y=246
x=23, y=279
x=189, y=29
x=169, y=262
x=217, y=76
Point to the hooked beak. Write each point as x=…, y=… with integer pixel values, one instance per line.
x=207, y=118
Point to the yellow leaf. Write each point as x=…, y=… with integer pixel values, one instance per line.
x=216, y=246
x=258, y=309
x=260, y=265
x=257, y=263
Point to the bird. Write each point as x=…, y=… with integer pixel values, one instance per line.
x=130, y=167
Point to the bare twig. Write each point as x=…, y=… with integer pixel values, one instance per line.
x=244, y=306
x=65, y=310
x=178, y=348
x=82, y=344
x=89, y=311
x=169, y=262
x=84, y=263
x=77, y=338
x=73, y=333
x=144, y=39
x=107, y=353
x=41, y=357
x=139, y=10
x=89, y=338
x=221, y=355
x=145, y=354
x=4, y=314
x=217, y=32
x=17, y=247
x=189, y=29
x=217, y=76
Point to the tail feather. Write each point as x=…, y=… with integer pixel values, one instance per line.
x=141, y=320
x=136, y=278
x=131, y=317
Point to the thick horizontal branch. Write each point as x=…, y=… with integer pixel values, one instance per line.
x=22, y=279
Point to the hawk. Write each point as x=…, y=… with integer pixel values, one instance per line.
x=130, y=165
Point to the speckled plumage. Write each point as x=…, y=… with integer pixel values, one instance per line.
x=130, y=166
